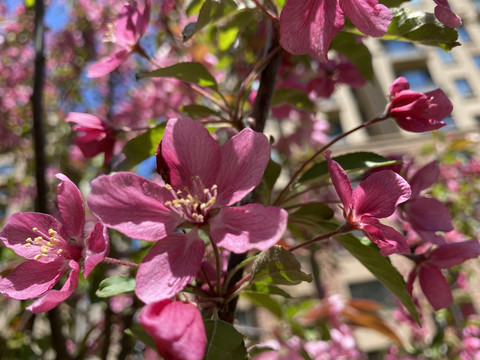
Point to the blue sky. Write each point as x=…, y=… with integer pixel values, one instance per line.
x=55, y=17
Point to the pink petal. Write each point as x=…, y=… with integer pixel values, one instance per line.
x=424, y=178
x=349, y=74
x=20, y=226
x=54, y=297
x=248, y=227
x=398, y=85
x=125, y=29
x=72, y=210
x=169, y=266
x=188, y=150
x=108, y=64
x=368, y=16
x=440, y=105
x=132, y=205
x=435, y=287
x=308, y=26
x=96, y=248
x=340, y=181
x=177, y=329
x=445, y=15
x=32, y=279
x=243, y=161
x=427, y=214
x=448, y=255
x=86, y=120
x=379, y=194
x=389, y=240
x=142, y=21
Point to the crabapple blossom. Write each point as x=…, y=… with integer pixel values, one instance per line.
x=445, y=15
x=53, y=247
x=417, y=112
x=375, y=197
x=203, y=180
x=308, y=26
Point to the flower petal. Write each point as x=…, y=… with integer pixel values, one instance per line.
x=54, y=297
x=177, y=329
x=308, y=26
x=169, y=265
x=107, y=64
x=32, y=279
x=188, y=150
x=445, y=15
x=389, y=240
x=424, y=178
x=379, y=194
x=132, y=205
x=340, y=181
x=143, y=19
x=96, y=248
x=435, y=287
x=448, y=255
x=72, y=210
x=243, y=161
x=248, y=227
x=20, y=226
x=398, y=85
x=125, y=29
x=85, y=120
x=368, y=16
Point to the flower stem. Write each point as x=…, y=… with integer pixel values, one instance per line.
x=317, y=239
x=109, y=260
x=320, y=151
x=218, y=265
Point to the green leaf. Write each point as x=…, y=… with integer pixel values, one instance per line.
x=421, y=28
x=392, y=3
x=351, y=161
x=211, y=11
x=265, y=301
x=381, y=268
x=138, y=332
x=115, y=285
x=270, y=176
x=141, y=147
x=228, y=33
x=266, y=288
x=192, y=72
x=198, y=111
x=223, y=342
x=278, y=266
x=29, y=3
x=355, y=51
x=293, y=97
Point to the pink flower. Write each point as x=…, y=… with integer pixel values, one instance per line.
x=177, y=329
x=417, y=112
x=97, y=136
x=427, y=215
x=428, y=268
x=375, y=197
x=46, y=242
x=203, y=181
x=445, y=15
x=308, y=26
x=131, y=24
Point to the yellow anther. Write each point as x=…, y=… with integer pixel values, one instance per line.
x=52, y=232
x=168, y=203
x=179, y=192
x=168, y=187
x=59, y=251
x=206, y=191
x=35, y=229
x=29, y=240
x=49, y=244
x=38, y=256
x=44, y=250
x=190, y=197
x=214, y=187
x=28, y=244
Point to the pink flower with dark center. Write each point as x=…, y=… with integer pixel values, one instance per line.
x=445, y=15
x=129, y=27
x=177, y=329
x=428, y=269
x=417, y=112
x=427, y=215
x=375, y=197
x=97, y=136
x=53, y=247
x=203, y=181
x=308, y=26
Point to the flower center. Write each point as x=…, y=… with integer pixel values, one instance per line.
x=48, y=244
x=110, y=34
x=192, y=204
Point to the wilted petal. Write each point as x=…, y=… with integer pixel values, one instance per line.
x=435, y=287
x=340, y=181
x=54, y=297
x=368, y=16
x=32, y=279
x=379, y=194
x=108, y=64
x=389, y=240
x=248, y=227
x=243, y=160
x=177, y=329
x=448, y=255
x=169, y=266
x=445, y=15
x=72, y=210
x=308, y=26
x=188, y=150
x=132, y=205
x=96, y=248
x=424, y=178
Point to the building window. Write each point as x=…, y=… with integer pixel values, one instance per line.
x=398, y=49
x=419, y=79
x=446, y=57
x=463, y=88
x=476, y=60
x=450, y=124
x=372, y=290
x=476, y=4
x=463, y=34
